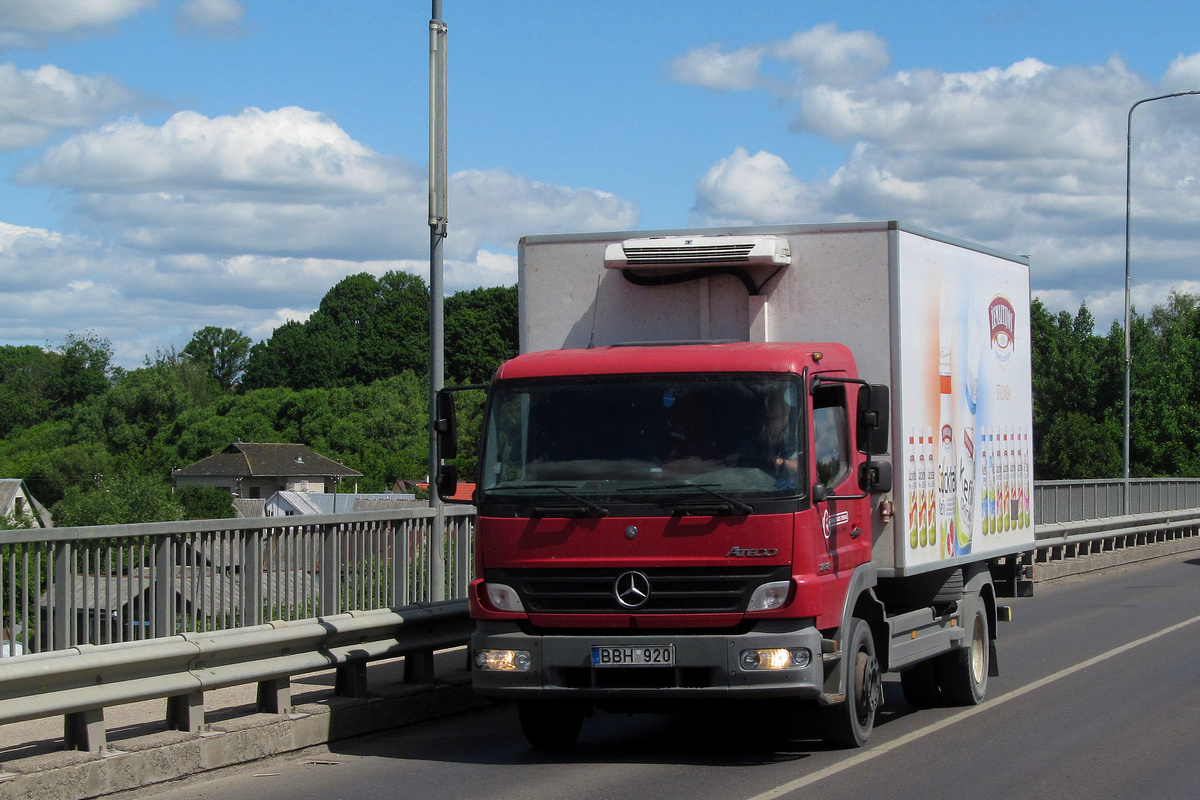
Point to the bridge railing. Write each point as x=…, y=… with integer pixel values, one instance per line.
x=63, y=587
x=113, y=614
x=1074, y=501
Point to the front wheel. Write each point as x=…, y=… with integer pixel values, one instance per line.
x=550, y=724
x=849, y=723
x=963, y=674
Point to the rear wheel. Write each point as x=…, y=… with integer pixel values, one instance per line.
x=849, y=723
x=550, y=724
x=963, y=674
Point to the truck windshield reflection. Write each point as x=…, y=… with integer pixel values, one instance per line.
x=624, y=437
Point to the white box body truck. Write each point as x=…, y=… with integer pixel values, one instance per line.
x=767, y=463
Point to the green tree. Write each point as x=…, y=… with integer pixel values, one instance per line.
x=1072, y=396
x=481, y=333
x=365, y=329
x=223, y=352
x=121, y=499
x=206, y=502
x=86, y=367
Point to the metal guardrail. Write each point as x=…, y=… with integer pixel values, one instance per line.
x=1070, y=501
x=62, y=587
x=112, y=614
x=80, y=682
x=1088, y=537
x=121, y=613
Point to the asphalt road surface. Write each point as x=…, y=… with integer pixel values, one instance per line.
x=1098, y=696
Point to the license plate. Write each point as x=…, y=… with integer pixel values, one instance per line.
x=654, y=655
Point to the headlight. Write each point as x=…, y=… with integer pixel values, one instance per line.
x=770, y=596
x=503, y=598
x=776, y=658
x=503, y=660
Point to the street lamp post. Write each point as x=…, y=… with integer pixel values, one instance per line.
x=1128, y=301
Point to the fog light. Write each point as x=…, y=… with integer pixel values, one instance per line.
x=503, y=660
x=769, y=596
x=503, y=598
x=776, y=658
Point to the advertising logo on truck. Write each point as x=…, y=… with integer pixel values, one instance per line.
x=1003, y=320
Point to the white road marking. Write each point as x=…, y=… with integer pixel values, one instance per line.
x=888, y=747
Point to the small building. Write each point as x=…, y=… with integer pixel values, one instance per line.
x=255, y=470
x=287, y=504
x=19, y=508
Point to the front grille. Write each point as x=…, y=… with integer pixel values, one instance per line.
x=672, y=591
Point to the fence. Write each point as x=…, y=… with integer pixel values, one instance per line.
x=62, y=587
x=1073, y=501
x=188, y=601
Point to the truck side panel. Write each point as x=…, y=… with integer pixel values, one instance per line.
x=963, y=424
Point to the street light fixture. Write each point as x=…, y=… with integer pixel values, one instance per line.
x=1128, y=303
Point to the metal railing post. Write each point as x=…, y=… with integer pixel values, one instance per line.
x=252, y=567
x=162, y=583
x=62, y=594
x=331, y=571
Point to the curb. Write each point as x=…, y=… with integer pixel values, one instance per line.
x=1078, y=565
x=170, y=755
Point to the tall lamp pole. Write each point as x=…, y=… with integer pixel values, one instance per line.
x=1128, y=301
x=438, y=223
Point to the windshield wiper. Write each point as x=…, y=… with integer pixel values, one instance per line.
x=585, y=508
x=728, y=504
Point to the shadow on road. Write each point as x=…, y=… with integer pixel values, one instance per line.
x=712, y=734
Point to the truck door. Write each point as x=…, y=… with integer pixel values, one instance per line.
x=843, y=522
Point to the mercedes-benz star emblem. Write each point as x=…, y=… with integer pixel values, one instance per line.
x=632, y=589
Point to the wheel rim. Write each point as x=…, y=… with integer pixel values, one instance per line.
x=979, y=650
x=868, y=686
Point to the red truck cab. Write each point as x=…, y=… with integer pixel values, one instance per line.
x=672, y=521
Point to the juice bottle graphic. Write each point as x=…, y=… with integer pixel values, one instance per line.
x=967, y=442
x=914, y=496
x=947, y=469
x=923, y=511
x=929, y=529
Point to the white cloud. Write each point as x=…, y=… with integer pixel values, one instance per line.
x=712, y=69
x=37, y=103
x=213, y=17
x=292, y=183
x=26, y=23
x=245, y=221
x=1028, y=158
x=744, y=189
x=822, y=55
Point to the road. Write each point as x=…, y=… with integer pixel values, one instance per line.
x=1098, y=696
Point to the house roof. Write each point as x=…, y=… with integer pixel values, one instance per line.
x=10, y=489
x=257, y=460
x=343, y=502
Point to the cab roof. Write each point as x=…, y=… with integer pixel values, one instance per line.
x=789, y=357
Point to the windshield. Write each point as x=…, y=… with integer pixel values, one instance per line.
x=634, y=437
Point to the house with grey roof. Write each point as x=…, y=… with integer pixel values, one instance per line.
x=19, y=508
x=288, y=504
x=258, y=470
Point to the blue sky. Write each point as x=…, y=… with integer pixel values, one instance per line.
x=175, y=164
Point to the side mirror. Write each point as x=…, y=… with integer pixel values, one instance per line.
x=873, y=409
x=875, y=476
x=447, y=481
x=819, y=493
x=446, y=427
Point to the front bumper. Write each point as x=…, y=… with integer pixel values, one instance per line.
x=707, y=664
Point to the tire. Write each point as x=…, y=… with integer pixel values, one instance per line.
x=549, y=724
x=920, y=685
x=849, y=723
x=962, y=674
